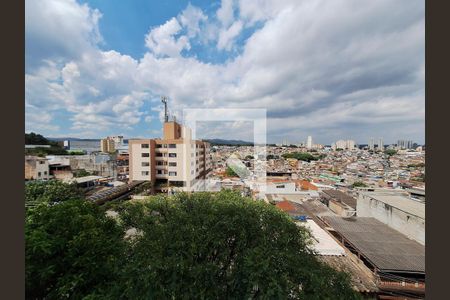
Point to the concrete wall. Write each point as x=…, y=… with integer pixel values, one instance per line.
x=280, y=188
x=338, y=209
x=37, y=169
x=410, y=225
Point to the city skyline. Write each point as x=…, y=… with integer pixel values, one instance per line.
x=95, y=69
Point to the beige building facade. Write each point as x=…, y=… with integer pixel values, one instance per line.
x=36, y=168
x=175, y=162
x=107, y=145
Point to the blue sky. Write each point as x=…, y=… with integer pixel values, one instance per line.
x=330, y=69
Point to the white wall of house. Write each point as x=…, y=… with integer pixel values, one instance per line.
x=410, y=225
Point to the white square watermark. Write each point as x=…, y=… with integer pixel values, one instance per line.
x=254, y=179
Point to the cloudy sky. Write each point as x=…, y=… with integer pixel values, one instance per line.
x=330, y=69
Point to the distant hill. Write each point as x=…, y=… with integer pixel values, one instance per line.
x=212, y=141
x=59, y=139
x=221, y=142
x=37, y=139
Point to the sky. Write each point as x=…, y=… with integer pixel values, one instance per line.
x=341, y=69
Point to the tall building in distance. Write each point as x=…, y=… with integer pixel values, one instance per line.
x=380, y=144
x=107, y=145
x=345, y=145
x=371, y=144
x=309, y=142
x=173, y=162
x=118, y=140
x=405, y=144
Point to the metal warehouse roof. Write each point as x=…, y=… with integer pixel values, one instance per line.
x=386, y=248
x=323, y=243
x=85, y=179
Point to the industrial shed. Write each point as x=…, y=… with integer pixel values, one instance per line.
x=385, y=248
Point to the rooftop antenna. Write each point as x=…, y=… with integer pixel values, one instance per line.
x=166, y=115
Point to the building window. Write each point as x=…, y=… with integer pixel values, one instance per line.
x=145, y=146
x=145, y=164
x=145, y=154
x=39, y=174
x=41, y=162
x=172, y=164
x=45, y=172
x=172, y=173
x=145, y=173
x=280, y=186
x=159, y=154
x=172, y=145
x=158, y=171
x=172, y=155
x=158, y=145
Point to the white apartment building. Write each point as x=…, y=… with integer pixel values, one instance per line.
x=309, y=142
x=341, y=144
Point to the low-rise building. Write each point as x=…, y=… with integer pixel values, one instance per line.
x=36, y=168
x=395, y=209
x=339, y=202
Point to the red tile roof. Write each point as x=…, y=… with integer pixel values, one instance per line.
x=285, y=206
x=305, y=185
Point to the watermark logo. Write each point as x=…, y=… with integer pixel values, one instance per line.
x=254, y=178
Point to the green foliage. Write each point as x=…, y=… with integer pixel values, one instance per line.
x=81, y=173
x=249, y=157
x=50, y=192
x=42, y=152
x=420, y=178
x=221, y=246
x=72, y=250
x=270, y=156
x=390, y=152
x=75, y=152
x=339, y=149
x=143, y=188
x=300, y=156
x=419, y=165
x=37, y=139
x=359, y=184
x=197, y=246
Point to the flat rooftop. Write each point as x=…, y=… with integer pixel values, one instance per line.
x=385, y=248
x=85, y=179
x=342, y=197
x=403, y=203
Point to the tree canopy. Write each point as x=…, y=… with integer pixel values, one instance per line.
x=301, y=156
x=190, y=246
x=50, y=192
x=37, y=139
x=359, y=184
x=390, y=152
x=81, y=173
x=72, y=251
